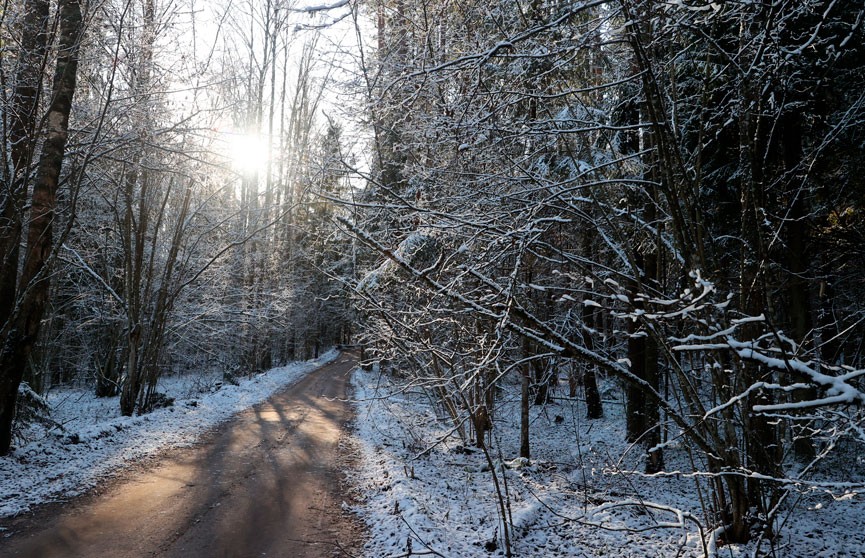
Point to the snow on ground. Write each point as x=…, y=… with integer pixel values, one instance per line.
x=571, y=500
x=96, y=442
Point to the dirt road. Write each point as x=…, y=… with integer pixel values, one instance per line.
x=267, y=483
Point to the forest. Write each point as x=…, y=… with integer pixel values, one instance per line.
x=652, y=208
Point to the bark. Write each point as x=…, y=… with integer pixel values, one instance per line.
x=524, y=416
x=135, y=232
x=761, y=442
x=136, y=224
x=797, y=234
x=636, y=400
x=21, y=334
x=481, y=421
x=635, y=407
x=651, y=410
x=109, y=368
x=22, y=126
x=654, y=457
x=594, y=407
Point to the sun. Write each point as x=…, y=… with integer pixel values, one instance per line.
x=248, y=153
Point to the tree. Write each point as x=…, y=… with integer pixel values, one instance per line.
x=499, y=142
x=25, y=293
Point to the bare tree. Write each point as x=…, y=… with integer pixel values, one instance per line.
x=25, y=292
x=493, y=155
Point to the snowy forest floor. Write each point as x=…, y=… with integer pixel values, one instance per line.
x=580, y=496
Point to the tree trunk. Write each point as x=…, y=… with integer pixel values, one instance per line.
x=594, y=407
x=635, y=407
x=132, y=382
x=761, y=442
x=543, y=380
x=524, y=416
x=799, y=258
x=18, y=339
x=651, y=409
x=109, y=368
x=654, y=457
x=22, y=139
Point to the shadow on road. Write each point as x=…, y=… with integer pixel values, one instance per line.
x=266, y=483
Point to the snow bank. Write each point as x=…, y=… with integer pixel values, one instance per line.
x=574, y=498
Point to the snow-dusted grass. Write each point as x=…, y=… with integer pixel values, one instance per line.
x=97, y=442
x=574, y=499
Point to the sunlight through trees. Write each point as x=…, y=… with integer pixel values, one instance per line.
x=656, y=204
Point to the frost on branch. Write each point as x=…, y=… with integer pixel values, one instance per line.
x=771, y=349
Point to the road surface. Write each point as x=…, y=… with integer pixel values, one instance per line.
x=265, y=484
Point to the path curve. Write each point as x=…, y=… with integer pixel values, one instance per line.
x=264, y=484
